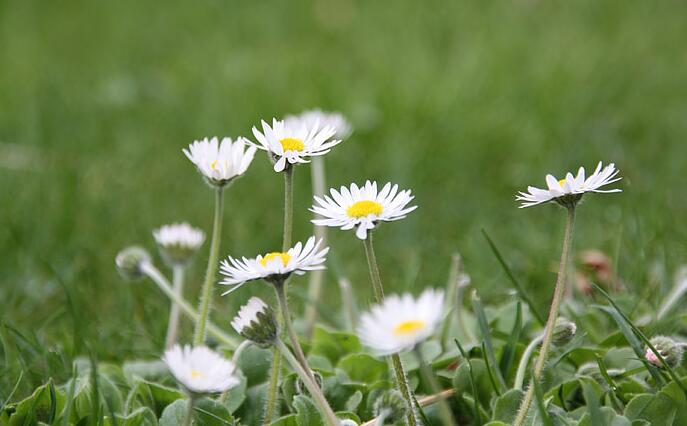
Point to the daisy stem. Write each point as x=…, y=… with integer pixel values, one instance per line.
x=211, y=271
x=553, y=314
x=156, y=276
x=401, y=379
x=173, y=324
x=188, y=417
x=271, y=403
x=280, y=288
x=288, y=207
x=315, y=284
x=444, y=409
x=524, y=362
x=307, y=379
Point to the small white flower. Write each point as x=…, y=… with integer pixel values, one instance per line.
x=362, y=208
x=200, y=370
x=571, y=188
x=178, y=242
x=255, y=321
x=275, y=266
x=221, y=162
x=293, y=145
x=313, y=117
x=401, y=322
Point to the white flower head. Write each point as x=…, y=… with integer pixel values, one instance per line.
x=255, y=321
x=200, y=370
x=275, y=266
x=399, y=323
x=220, y=162
x=569, y=191
x=314, y=117
x=362, y=208
x=178, y=242
x=291, y=145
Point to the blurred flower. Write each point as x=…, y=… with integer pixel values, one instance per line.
x=275, y=266
x=568, y=191
x=200, y=370
x=317, y=117
x=129, y=262
x=391, y=407
x=595, y=266
x=401, y=322
x=563, y=331
x=293, y=145
x=670, y=350
x=178, y=242
x=362, y=208
x=221, y=162
x=255, y=321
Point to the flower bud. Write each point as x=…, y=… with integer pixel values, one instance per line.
x=391, y=406
x=669, y=350
x=255, y=321
x=563, y=331
x=129, y=262
x=178, y=242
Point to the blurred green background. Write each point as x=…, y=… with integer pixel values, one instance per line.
x=463, y=102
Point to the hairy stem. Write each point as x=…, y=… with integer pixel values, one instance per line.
x=444, y=410
x=206, y=292
x=288, y=207
x=551, y=321
x=173, y=324
x=316, y=277
x=284, y=308
x=524, y=362
x=188, y=417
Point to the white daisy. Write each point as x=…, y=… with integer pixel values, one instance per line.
x=255, y=321
x=401, y=322
x=200, y=370
x=313, y=117
x=221, y=162
x=275, y=266
x=569, y=190
x=293, y=145
x=363, y=207
x=178, y=241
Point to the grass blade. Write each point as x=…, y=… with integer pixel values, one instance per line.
x=508, y=355
x=486, y=338
x=593, y=409
x=471, y=377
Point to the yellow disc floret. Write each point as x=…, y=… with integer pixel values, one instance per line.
x=561, y=182
x=364, y=208
x=292, y=144
x=409, y=327
x=285, y=257
x=195, y=374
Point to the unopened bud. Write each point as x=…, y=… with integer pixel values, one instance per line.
x=255, y=321
x=563, y=331
x=391, y=406
x=669, y=350
x=129, y=262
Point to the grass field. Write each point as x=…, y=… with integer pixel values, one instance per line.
x=463, y=102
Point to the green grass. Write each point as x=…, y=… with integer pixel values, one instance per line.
x=463, y=102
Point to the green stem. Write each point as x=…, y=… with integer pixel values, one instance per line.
x=284, y=308
x=189, y=412
x=401, y=379
x=558, y=293
x=288, y=207
x=211, y=271
x=524, y=362
x=316, y=277
x=174, y=310
x=273, y=387
x=310, y=384
x=444, y=410
x=156, y=276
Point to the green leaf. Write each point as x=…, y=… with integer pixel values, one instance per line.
x=288, y=420
x=236, y=395
x=593, y=409
x=255, y=363
x=605, y=416
x=42, y=406
x=507, y=405
x=142, y=416
x=509, y=351
x=174, y=413
x=208, y=412
x=306, y=412
x=334, y=345
x=354, y=401
x=363, y=368
x=486, y=338
x=144, y=370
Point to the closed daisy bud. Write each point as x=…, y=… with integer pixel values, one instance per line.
x=391, y=406
x=563, y=331
x=178, y=242
x=129, y=262
x=255, y=321
x=670, y=350
x=200, y=370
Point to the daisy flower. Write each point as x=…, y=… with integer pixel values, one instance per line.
x=221, y=162
x=569, y=190
x=200, y=370
x=399, y=323
x=362, y=208
x=287, y=144
x=313, y=117
x=178, y=242
x=255, y=321
x=274, y=266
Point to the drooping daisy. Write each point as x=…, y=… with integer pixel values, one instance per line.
x=200, y=370
x=255, y=321
x=313, y=117
x=178, y=242
x=569, y=191
x=221, y=162
x=291, y=145
x=274, y=266
x=401, y=322
x=362, y=208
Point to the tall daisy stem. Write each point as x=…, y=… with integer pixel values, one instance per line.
x=288, y=208
x=174, y=310
x=316, y=277
x=444, y=410
x=551, y=321
x=284, y=308
x=211, y=271
x=310, y=384
x=525, y=361
x=401, y=378
x=188, y=417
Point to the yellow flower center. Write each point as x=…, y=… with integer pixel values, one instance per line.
x=561, y=182
x=409, y=327
x=214, y=164
x=292, y=144
x=285, y=257
x=364, y=208
x=195, y=374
